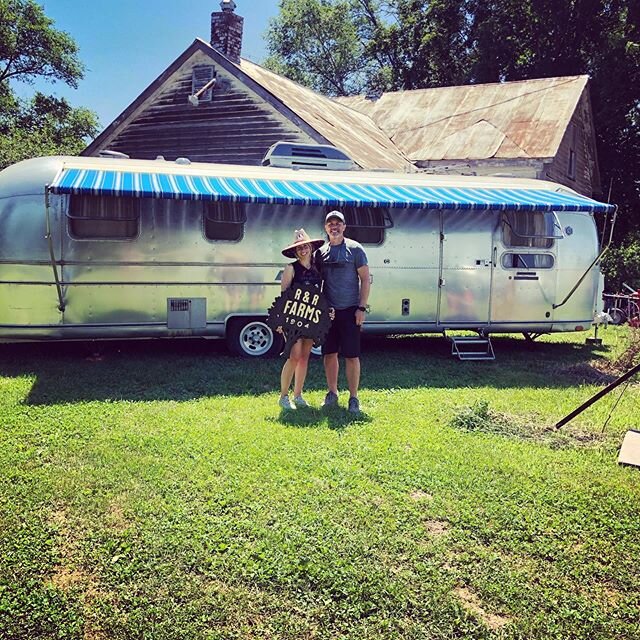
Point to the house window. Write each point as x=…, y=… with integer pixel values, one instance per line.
x=200, y=76
x=571, y=169
x=224, y=220
x=527, y=261
x=103, y=217
x=530, y=229
x=367, y=224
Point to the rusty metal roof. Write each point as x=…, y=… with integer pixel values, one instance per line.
x=349, y=129
x=524, y=119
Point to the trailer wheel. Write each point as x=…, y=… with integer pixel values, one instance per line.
x=252, y=337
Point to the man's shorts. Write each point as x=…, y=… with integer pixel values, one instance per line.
x=344, y=335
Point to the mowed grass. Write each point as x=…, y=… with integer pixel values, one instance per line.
x=157, y=492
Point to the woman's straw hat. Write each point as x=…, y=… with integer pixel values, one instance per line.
x=300, y=237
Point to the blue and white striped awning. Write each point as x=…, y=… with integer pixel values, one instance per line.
x=262, y=190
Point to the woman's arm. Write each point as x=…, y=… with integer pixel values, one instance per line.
x=287, y=277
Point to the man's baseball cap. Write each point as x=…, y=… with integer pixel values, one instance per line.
x=334, y=214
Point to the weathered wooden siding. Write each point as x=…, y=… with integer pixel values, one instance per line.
x=236, y=127
x=579, y=138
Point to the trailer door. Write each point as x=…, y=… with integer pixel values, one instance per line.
x=465, y=274
x=524, y=278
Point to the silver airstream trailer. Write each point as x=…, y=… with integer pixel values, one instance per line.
x=95, y=248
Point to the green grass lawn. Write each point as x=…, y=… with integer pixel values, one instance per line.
x=158, y=492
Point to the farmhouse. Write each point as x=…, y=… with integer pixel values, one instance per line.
x=212, y=105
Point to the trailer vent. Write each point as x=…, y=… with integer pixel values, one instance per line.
x=303, y=156
x=186, y=314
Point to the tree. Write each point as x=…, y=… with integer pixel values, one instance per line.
x=343, y=47
x=315, y=42
x=31, y=48
x=412, y=44
x=44, y=125
x=520, y=39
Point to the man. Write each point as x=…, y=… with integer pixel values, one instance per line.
x=346, y=286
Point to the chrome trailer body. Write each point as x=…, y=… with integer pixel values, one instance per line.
x=433, y=269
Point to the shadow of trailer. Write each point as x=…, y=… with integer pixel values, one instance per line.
x=99, y=248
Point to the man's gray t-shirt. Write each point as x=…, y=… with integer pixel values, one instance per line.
x=340, y=264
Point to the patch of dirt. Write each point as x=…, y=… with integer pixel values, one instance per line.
x=116, y=516
x=436, y=527
x=594, y=372
x=472, y=603
x=612, y=596
x=377, y=500
x=68, y=574
x=418, y=495
x=604, y=372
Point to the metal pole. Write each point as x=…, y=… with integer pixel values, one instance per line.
x=598, y=395
x=61, y=304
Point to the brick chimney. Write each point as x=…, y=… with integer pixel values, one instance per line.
x=226, y=31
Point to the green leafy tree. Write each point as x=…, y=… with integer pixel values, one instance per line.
x=316, y=43
x=31, y=48
x=412, y=44
x=342, y=47
x=521, y=39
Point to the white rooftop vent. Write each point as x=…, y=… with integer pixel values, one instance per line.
x=305, y=156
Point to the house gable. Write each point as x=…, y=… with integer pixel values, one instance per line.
x=250, y=109
x=576, y=162
x=235, y=126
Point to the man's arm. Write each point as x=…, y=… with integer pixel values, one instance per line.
x=365, y=287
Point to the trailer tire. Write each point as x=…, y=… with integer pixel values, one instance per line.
x=253, y=338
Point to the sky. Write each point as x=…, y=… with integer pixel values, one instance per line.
x=126, y=44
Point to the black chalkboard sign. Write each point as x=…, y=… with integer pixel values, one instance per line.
x=303, y=312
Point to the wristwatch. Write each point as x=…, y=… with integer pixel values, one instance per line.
x=365, y=309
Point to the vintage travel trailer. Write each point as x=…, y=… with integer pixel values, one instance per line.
x=94, y=248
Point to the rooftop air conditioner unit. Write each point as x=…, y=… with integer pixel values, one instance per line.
x=306, y=156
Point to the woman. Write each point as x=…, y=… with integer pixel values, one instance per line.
x=302, y=271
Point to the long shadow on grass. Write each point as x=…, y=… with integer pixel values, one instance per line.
x=186, y=369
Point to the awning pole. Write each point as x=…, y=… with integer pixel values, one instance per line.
x=597, y=396
x=61, y=303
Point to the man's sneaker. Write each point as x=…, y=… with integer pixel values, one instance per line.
x=285, y=403
x=330, y=400
x=354, y=405
x=300, y=402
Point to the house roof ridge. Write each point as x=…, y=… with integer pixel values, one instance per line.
x=565, y=79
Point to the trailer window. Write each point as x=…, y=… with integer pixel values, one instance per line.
x=103, y=217
x=530, y=229
x=527, y=261
x=224, y=220
x=367, y=224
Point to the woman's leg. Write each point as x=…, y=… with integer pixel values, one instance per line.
x=302, y=365
x=286, y=376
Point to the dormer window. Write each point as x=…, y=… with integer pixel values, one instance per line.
x=200, y=77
